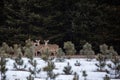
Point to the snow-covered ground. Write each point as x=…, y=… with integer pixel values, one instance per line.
x=88, y=66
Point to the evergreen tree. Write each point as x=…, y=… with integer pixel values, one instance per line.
x=112, y=52
x=102, y=62
x=116, y=66
x=11, y=51
x=34, y=70
x=67, y=69
x=59, y=21
x=84, y=75
x=29, y=49
x=76, y=76
x=45, y=54
x=30, y=77
x=5, y=47
x=69, y=48
x=49, y=68
x=106, y=77
x=18, y=62
x=3, y=68
x=60, y=55
x=87, y=50
x=104, y=49
x=77, y=63
x=17, y=49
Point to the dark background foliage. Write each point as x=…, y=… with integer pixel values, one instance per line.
x=95, y=21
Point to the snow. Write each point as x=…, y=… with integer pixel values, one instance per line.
x=88, y=66
x=12, y=75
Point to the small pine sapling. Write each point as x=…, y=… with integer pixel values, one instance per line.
x=87, y=50
x=45, y=55
x=112, y=52
x=104, y=50
x=52, y=75
x=18, y=62
x=3, y=68
x=67, y=69
x=34, y=70
x=115, y=66
x=76, y=76
x=49, y=68
x=84, y=74
x=69, y=48
x=102, y=62
x=106, y=77
x=29, y=48
x=30, y=77
x=77, y=63
x=60, y=55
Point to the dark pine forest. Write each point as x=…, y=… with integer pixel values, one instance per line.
x=79, y=21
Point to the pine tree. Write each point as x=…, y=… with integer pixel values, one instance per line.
x=30, y=77
x=106, y=77
x=3, y=68
x=60, y=55
x=46, y=54
x=102, y=62
x=87, y=50
x=33, y=70
x=49, y=68
x=115, y=66
x=29, y=49
x=104, y=50
x=17, y=49
x=112, y=52
x=18, y=62
x=67, y=69
x=84, y=75
x=5, y=49
x=76, y=76
x=77, y=63
x=69, y=48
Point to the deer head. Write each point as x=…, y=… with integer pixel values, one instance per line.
x=46, y=42
x=37, y=42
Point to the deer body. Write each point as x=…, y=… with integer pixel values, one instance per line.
x=41, y=48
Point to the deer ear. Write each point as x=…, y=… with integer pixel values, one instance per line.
x=47, y=40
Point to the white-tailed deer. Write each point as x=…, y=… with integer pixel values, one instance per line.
x=41, y=48
x=37, y=43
